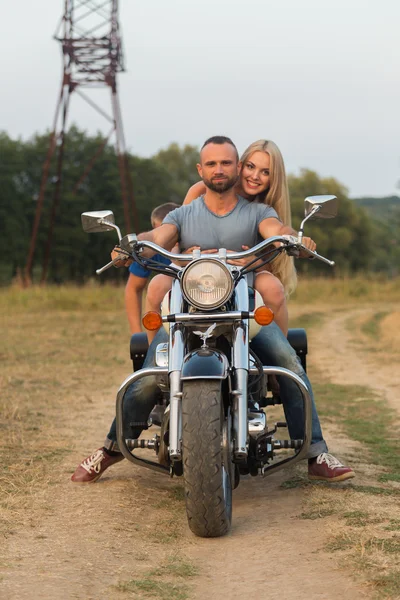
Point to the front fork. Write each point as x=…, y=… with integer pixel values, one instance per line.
x=240, y=364
x=176, y=353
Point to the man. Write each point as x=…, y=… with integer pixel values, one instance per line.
x=221, y=219
x=138, y=275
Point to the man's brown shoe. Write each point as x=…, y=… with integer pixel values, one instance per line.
x=326, y=467
x=93, y=467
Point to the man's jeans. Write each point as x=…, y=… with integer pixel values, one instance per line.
x=271, y=347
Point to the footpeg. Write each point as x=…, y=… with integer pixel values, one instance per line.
x=150, y=444
x=271, y=401
x=280, y=444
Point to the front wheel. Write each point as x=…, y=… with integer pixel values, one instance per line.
x=207, y=464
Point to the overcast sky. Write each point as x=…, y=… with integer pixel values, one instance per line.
x=320, y=78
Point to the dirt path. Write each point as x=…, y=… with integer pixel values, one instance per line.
x=349, y=360
x=79, y=542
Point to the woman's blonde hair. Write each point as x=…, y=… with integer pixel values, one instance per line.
x=277, y=196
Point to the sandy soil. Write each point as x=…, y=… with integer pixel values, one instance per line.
x=80, y=541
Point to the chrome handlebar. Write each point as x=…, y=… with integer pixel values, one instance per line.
x=283, y=239
x=287, y=240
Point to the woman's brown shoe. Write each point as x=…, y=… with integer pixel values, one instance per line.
x=93, y=467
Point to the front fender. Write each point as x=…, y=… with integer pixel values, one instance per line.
x=205, y=363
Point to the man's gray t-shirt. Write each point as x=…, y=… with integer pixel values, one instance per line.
x=198, y=226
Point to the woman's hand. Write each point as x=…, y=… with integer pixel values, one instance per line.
x=192, y=249
x=240, y=262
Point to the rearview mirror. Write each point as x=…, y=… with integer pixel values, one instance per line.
x=99, y=220
x=321, y=207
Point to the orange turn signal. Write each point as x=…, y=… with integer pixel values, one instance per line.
x=152, y=320
x=263, y=315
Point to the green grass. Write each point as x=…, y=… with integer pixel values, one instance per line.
x=162, y=590
x=388, y=585
x=343, y=541
x=365, y=419
x=318, y=513
x=394, y=525
x=308, y=320
x=155, y=583
x=390, y=477
x=359, y=518
x=372, y=326
x=375, y=491
x=295, y=482
x=389, y=546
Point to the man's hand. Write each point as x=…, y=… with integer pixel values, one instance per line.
x=124, y=260
x=308, y=243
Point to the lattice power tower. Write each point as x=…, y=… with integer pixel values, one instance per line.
x=92, y=56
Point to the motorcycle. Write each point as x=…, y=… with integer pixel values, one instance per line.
x=213, y=427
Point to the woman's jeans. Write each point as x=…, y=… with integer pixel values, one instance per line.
x=271, y=347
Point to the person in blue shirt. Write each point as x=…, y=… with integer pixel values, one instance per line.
x=138, y=275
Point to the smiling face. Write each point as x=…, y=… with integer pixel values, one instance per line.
x=255, y=174
x=219, y=167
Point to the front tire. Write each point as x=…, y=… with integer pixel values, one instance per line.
x=207, y=466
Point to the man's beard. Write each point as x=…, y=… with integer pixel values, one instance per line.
x=220, y=186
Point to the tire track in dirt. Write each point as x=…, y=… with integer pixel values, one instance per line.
x=343, y=353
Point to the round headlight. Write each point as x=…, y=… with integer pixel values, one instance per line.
x=207, y=284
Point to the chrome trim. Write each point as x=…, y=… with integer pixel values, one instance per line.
x=176, y=355
x=307, y=406
x=189, y=257
x=175, y=304
x=119, y=419
x=240, y=363
x=175, y=418
x=240, y=442
x=257, y=422
x=228, y=316
x=162, y=355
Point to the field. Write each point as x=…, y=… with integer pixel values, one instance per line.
x=64, y=353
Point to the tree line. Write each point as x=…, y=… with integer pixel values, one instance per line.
x=355, y=239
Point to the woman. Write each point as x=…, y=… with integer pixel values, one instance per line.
x=262, y=179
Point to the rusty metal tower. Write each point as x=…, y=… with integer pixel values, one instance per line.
x=92, y=57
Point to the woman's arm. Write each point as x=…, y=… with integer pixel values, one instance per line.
x=194, y=192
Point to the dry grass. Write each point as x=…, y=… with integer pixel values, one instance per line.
x=362, y=530
x=45, y=378
x=64, y=354
x=351, y=290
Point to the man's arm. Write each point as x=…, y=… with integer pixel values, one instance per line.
x=133, y=301
x=270, y=227
x=165, y=236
